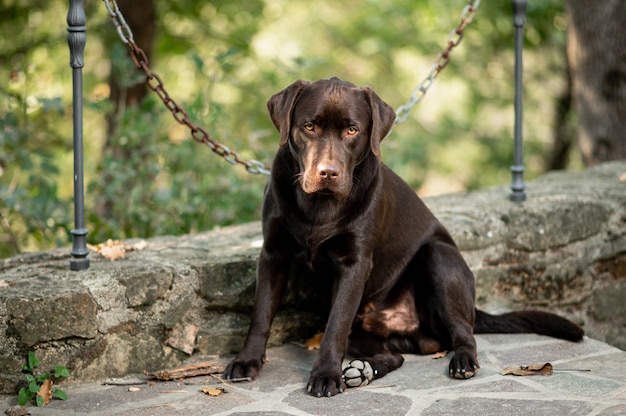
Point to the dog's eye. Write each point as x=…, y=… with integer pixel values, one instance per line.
x=352, y=130
x=309, y=126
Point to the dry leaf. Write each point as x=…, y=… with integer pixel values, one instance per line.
x=528, y=370
x=622, y=178
x=116, y=249
x=3, y=283
x=113, y=252
x=438, y=355
x=16, y=411
x=45, y=391
x=111, y=249
x=213, y=391
x=314, y=342
x=140, y=245
x=134, y=389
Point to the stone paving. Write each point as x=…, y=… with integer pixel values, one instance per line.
x=589, y=379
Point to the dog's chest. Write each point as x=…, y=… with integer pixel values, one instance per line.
x=320, y=251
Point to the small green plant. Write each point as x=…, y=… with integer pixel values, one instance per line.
x=40, y=385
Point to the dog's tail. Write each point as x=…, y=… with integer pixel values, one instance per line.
x=542, y=323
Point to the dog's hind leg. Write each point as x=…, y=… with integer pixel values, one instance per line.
x=374, y=361
x=450, y=304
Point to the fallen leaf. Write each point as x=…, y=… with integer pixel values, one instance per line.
x=134, y=389
x=111, y=249
x=528, y=370
x=622, y=178
x=45, y=391
x=3, y=283
x=213, y=391
x=438, y=355
x=113, y=252
x=140, y=245
x=16, y=411
x=314, y=342
x=116, y=249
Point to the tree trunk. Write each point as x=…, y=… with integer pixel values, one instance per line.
x=597, y=58
x=562, y=129
x=141, y=18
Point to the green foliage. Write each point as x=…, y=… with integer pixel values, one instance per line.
x=182, y=188
x=31, y=211
x=222, y=60
x=35, y=381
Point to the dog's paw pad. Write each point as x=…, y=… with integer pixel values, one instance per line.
x=358, y=373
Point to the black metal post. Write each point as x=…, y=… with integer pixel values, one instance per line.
x=76, y=39
x=517, y=186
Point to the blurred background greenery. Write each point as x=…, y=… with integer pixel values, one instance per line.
x=221, y=60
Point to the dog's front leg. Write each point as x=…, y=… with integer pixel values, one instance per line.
x=272, y=273
x=326, y=377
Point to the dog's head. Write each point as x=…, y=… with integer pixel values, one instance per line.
x=330, y=127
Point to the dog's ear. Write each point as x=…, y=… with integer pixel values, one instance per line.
x=280, y=106
x=383, y=117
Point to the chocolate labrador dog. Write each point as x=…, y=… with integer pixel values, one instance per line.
x=396, y=281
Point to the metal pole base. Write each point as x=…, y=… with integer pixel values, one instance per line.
x=79, y=260
x=77, y=265
x=518, y=187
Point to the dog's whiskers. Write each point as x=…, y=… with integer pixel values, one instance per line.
x=296, y=177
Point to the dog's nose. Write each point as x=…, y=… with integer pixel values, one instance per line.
x=327, y=171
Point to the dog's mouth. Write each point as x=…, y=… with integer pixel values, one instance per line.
x=321, y=190
x=325, y=191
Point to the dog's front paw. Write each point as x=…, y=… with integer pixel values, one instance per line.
x=325, y=385
x=358, y=373
x=242, y=370
x=463, y=365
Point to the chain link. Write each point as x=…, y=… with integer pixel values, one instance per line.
x=454, y=38
x=154, y=82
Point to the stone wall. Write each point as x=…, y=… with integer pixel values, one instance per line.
x=563, y=250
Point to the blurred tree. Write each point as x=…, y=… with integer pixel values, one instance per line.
x=597, y=59
x=563, y=134
x=127, y=88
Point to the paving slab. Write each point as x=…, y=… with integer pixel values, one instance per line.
x=588, y=379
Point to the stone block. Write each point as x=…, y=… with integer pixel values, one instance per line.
x=222, y=332
x=558, y=283
x=609, y=302
x=129, y=354
x=473, y=230
x=145, y=285
x=228, y=284
x=548, y=222
x=65, y=315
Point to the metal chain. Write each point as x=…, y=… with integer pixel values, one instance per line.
x=199, y=134
x=155, y=83
x=454, y=38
